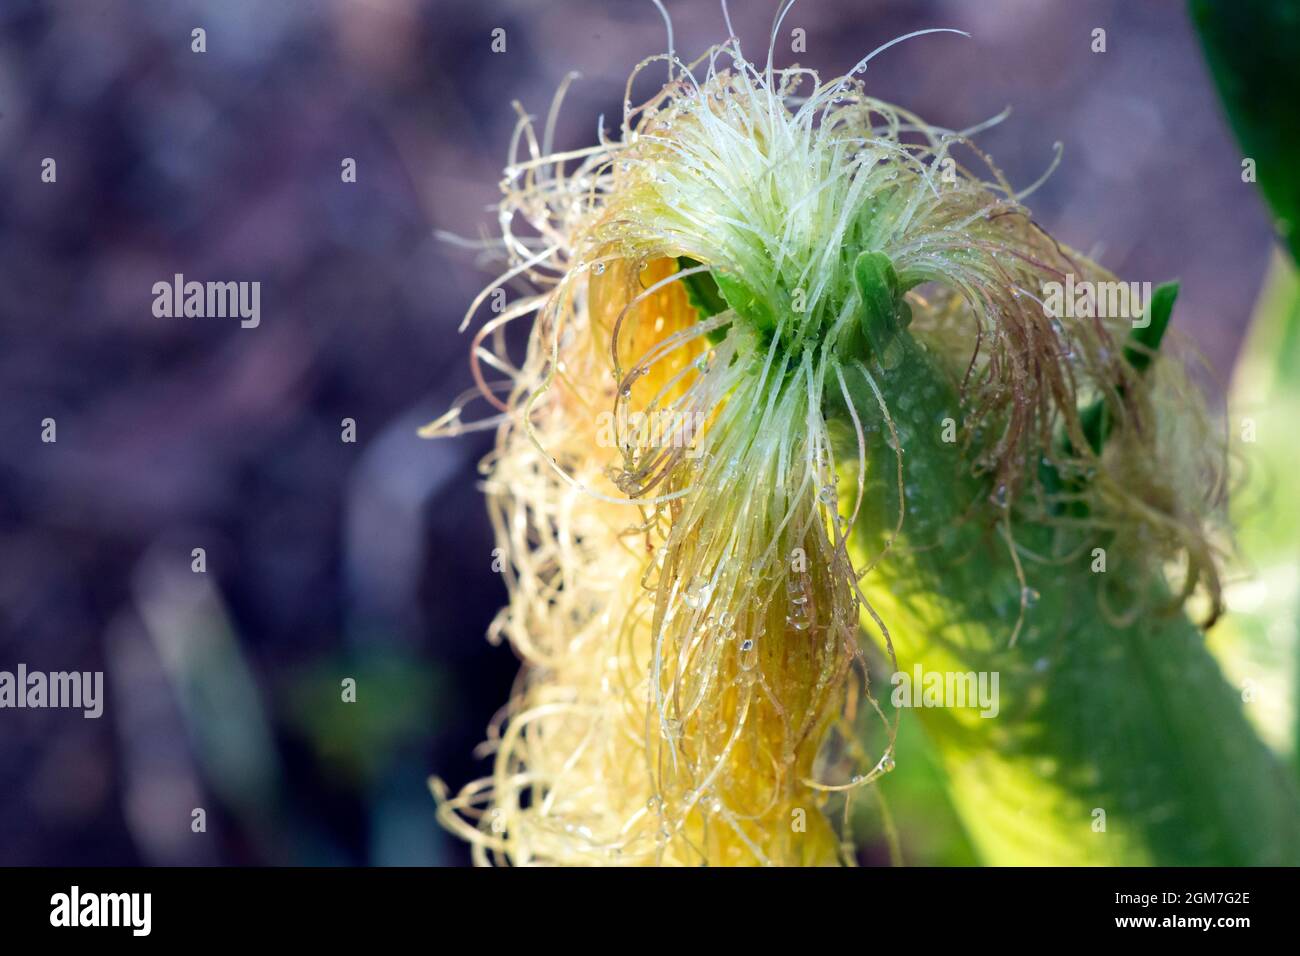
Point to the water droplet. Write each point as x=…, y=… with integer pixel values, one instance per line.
x=1029, y=597
x=887, y=762
x=798, y=618
x=697, y=592
x=598, y=268
x=746, y=645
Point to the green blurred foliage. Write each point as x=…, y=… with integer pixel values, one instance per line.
x=917, y=803
x=397, y=700
x=1258, y=642
x=1253, y=49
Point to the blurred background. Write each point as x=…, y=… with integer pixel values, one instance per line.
x=372, y=560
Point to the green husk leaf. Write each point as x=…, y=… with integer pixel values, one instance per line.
x=1113, y=744
x=884, y=314
x=701, y=289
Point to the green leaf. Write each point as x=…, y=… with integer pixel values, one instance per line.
x=1143, y=343
x=1144, y=340
x=883, y=313
x=1253, y=49
x=701, y=289
x=747, y=303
